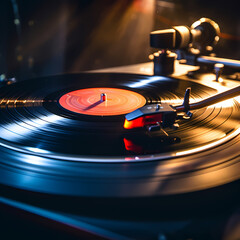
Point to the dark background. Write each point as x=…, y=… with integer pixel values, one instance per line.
x=42, y=37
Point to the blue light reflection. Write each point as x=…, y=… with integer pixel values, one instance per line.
x=147, y=81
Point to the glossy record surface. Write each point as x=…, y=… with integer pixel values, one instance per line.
x=46, y=148
x=31, y=117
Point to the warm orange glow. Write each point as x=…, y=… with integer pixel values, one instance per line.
x=89, y=101
x=143, y=121
x=134, y=123
x=119, y=34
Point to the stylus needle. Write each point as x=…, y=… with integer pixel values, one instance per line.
x=165, y=115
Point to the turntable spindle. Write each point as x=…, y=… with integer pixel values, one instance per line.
x=103, y=97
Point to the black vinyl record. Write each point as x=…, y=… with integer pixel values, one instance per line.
x=48, y=148
x=32, y=117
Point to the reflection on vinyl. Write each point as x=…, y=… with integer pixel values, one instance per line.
x=34, y=118
x=71, y=126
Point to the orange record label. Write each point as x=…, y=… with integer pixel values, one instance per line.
x=102, y=101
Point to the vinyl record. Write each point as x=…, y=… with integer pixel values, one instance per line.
x=35, y=115
x=53, y=141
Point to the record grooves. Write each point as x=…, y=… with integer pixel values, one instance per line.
x=144, y=151
x=63, y=152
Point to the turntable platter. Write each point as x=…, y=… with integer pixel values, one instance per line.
x=50, y=115
x=48, y=148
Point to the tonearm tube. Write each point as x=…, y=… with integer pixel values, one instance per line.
x=193, y=44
